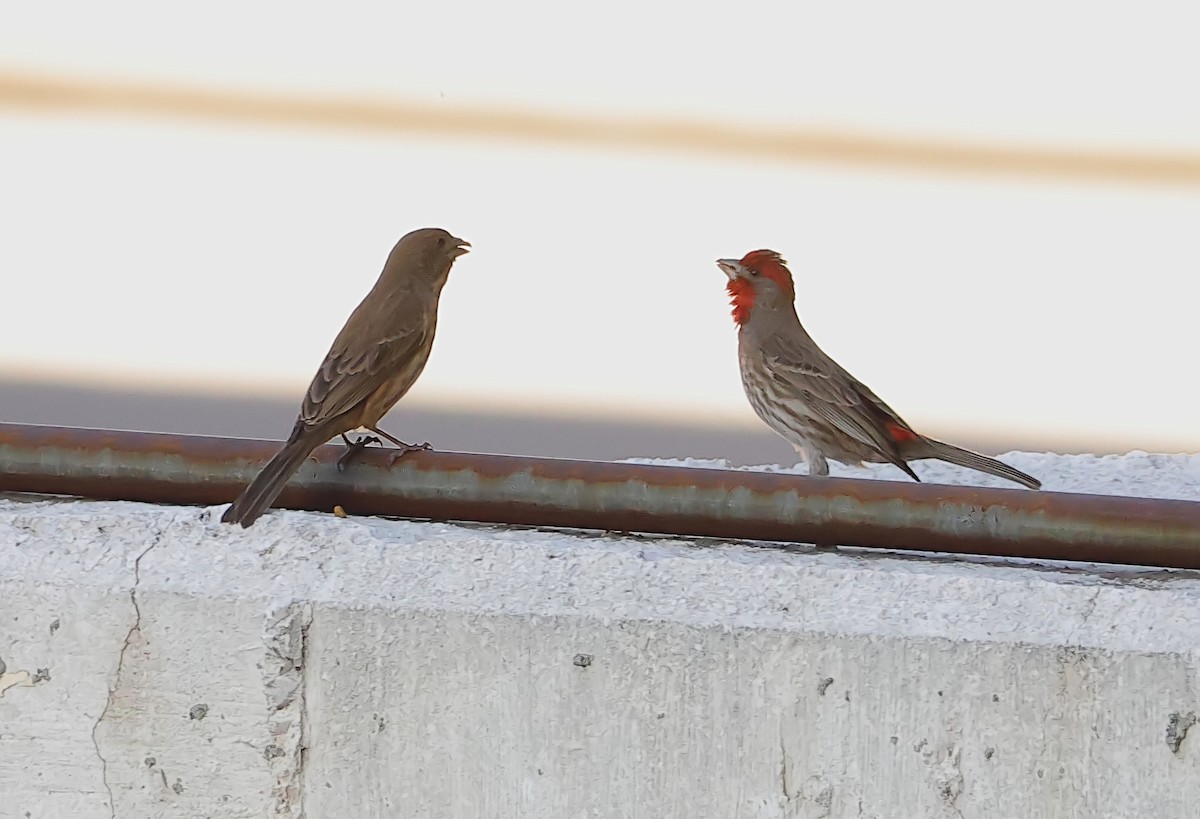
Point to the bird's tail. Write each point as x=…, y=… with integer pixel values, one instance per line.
x=930, y=448
x=265, y=488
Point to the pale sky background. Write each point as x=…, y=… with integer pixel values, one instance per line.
x=173, y=252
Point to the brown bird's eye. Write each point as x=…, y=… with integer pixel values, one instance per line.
x=441, y=241
x=753, y=272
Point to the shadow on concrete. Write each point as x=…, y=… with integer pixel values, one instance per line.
x=460, y=428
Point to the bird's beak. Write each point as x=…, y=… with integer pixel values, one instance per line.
x=463, y=246
x=732, y=267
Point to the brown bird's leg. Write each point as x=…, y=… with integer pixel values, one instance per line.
x=353, y=448
x=404, y=448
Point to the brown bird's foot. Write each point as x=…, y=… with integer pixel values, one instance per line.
x=353, y=448
x=407, y=448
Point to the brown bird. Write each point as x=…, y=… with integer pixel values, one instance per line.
x=805, y=396
x=373, y=362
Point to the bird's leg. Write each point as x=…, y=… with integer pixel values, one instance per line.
x=818, y=466
x=404, y=448
x=353, y=448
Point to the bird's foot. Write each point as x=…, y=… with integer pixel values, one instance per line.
x=353, y=448
x=404, y=449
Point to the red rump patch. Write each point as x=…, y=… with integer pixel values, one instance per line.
x=741, y=296
x=900, y=433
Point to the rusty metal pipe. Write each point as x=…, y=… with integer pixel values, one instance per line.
x=186, y=469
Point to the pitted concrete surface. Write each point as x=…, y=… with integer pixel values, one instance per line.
x=159, y=663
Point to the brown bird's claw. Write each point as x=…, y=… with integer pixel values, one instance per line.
x=353, y=448
x=407, y=448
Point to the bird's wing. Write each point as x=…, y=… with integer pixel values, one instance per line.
x=378, y=340
x=805, y=373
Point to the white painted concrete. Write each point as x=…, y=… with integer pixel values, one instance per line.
x=158, y=663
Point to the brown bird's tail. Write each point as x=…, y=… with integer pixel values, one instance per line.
x=930, y=448
x=264, y=489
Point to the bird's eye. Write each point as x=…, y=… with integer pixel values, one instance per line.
x=441, y=241
x=753, y=272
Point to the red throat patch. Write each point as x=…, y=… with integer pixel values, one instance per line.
x=741, y=296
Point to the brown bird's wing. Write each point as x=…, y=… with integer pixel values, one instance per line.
x=382, y=340
x=805, y=373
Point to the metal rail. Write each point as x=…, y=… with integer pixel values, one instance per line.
x=185, y=469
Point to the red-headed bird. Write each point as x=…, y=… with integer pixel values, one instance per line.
x=373, y=362
x=806, y=397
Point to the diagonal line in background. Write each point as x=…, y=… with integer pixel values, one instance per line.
x=781, y=145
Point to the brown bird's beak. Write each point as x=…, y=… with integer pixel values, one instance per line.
x=462, y=246
x=732, y=267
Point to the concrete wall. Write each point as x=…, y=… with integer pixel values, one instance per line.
x=157, y=663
